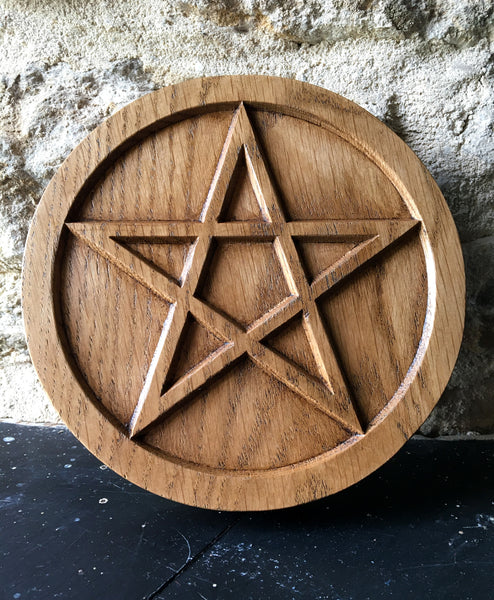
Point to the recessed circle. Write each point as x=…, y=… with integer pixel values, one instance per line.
x=243, y=293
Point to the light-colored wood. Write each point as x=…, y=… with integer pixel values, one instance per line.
x=243, y=293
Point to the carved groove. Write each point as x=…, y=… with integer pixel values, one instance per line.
x=196, y=347
x=277, y=269
x=172, y=258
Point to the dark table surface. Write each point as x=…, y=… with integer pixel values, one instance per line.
x=421, y=527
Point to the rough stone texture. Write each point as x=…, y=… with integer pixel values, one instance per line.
x=467, y=404
x=424, y=67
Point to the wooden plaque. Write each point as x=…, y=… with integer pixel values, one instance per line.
x=243, y=293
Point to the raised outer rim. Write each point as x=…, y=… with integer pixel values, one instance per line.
x=330, y=472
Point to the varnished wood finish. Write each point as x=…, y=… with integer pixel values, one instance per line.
x=243, y=293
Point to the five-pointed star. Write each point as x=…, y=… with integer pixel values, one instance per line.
x=329, y=392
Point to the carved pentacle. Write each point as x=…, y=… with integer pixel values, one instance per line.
x=243, y=293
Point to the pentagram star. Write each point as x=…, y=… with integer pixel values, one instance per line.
x=190, y=245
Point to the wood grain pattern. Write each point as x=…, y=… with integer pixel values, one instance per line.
x=243, y=293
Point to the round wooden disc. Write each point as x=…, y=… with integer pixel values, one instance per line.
x=243, y=293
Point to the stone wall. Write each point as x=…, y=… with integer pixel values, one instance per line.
x=424, y=67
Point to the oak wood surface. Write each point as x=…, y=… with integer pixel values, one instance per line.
x=243, y=293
